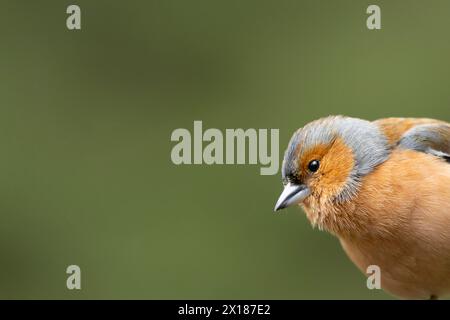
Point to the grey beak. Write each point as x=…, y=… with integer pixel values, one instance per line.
x=292, y=194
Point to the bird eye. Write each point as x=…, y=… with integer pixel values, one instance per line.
x=313, y=166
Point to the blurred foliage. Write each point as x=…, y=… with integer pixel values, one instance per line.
x=86, y=118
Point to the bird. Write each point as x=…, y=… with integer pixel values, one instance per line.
x=383, y=189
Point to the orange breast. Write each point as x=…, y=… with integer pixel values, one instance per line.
x=406, y=204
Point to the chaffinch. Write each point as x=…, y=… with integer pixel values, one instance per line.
x=383, y=189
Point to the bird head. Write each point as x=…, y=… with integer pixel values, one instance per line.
x=327, y=158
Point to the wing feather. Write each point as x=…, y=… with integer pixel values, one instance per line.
x=423, y=135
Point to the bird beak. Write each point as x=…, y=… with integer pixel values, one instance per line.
x=292, y=194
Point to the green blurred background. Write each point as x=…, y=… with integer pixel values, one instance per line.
x=85, y=124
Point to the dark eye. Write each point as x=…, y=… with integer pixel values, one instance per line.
x=313, y=166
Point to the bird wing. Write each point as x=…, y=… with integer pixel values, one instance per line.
x=428, y=138
x=423, y=135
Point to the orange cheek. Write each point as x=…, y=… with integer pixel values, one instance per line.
x=315, y=153
x=336, y=164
